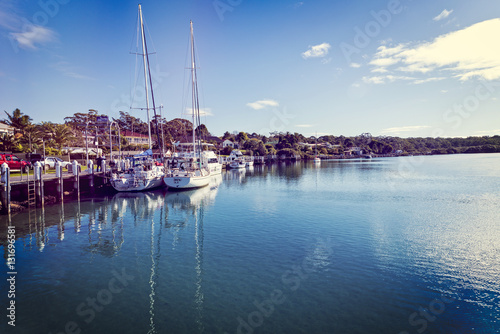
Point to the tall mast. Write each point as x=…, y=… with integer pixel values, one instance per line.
x=193, y=83
x=145, y=61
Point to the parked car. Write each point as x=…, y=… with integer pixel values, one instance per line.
x=50, y=162
x=14, y=162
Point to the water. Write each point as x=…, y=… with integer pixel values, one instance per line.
x=397, y=245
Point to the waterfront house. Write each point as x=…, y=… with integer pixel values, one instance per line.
x=136, y=139
x=226, y=143
x=6, y=129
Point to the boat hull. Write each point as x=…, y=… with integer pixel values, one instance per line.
x=186, y=182
x=123, y=184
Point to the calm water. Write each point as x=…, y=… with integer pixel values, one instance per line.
x=398, y=245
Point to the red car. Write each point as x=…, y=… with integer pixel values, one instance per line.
x=14, y=162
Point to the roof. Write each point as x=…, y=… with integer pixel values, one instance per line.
x=134, y=134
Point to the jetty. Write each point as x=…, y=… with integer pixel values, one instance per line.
x=35, y=189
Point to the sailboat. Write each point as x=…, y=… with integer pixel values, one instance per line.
x=146, y=173
x=317, y=159
x=194, y=173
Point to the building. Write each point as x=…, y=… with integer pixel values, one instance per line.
x=5, y=129
x=136, y=139
x=226, y=143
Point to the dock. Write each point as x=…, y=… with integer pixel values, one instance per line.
x=35, y=189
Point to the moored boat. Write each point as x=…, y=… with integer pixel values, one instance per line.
x=196, y=174
x=147, y=173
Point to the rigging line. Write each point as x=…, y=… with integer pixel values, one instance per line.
x=136, y=72
x=152, y=95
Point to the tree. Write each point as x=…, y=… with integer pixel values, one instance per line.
x=202, y=131
x=179, y=128
x=8, y=142
x=241, y=137
x=17, y=120
x=62, y=135
x=79, y=120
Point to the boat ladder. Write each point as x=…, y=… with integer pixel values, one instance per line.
x=31, y=192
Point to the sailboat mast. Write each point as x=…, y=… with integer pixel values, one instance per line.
x=144, y=55
x=193, y=86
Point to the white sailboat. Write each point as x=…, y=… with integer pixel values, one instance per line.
x=317, y=159
x=147, y=173
x=193, y=173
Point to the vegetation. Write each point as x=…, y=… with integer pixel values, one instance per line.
x=28, y=137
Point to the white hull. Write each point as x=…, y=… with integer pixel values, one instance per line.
x=187, y=180
x=317, y=160
x=136, y=184
x=215, y=168
x=237, y=164
x=249, y=163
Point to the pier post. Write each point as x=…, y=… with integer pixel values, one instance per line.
x=60, y=182
x=76, y=173
x=90, y=170
x=5, y=191
x=39, y=184
x=103, y=166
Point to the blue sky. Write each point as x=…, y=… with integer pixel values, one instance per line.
x=406, y=68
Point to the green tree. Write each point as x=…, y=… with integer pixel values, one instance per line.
x=241, y=137
x=17, y=120
x=62, y=135
x=8, y=142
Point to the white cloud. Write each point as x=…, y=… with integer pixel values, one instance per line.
x=203, y=112
x=404, y=129
x=316, y=51
x=421, y=81
x=463, y=54
x=355, y=65
x=68, y=70
x=495, y=132
x=382, y=79
x=34, y=35
x=304, y=125
x=261, y=104
x=444, y=14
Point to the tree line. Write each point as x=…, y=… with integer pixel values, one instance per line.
x=30, y=137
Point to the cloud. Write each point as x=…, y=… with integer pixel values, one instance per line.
x=355, y=65
x=421, y=81
x=68, y=70
x=495, y=132
x=203, y=112
x=316, y=51
x=386, y=79
x=298, y=4
x=261, y=104
x=463, y=54
x=444, y=14
x=34, y=35
x=304, y=125
x=405, y=129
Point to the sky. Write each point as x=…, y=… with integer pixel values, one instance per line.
x=408, y=68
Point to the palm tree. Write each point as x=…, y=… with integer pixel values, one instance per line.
x=17, y=120
x=62, y=134
x=8, y=142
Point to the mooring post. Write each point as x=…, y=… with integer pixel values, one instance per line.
x=103, y=166
x=90, y=170
x=76, y=173
x=38, y=184
x=5, y=191
x=60, y=186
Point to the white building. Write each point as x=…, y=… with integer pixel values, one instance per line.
x=5, y=129
x=226, y=143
